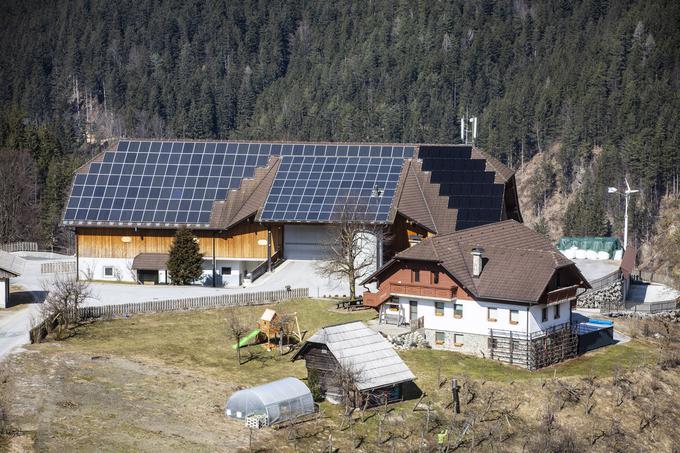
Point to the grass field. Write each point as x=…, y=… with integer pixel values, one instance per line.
x=159, y=381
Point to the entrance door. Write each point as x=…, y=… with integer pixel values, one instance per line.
x=147, y=277
x=413, y=311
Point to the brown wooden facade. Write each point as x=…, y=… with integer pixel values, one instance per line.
x=418, y=279
x=246, y=240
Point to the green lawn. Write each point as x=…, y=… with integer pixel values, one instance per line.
x=199, y=340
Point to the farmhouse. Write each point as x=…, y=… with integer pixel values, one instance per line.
x=10, y=266
x=500, y=291
x=354, y=361
x=253, y=204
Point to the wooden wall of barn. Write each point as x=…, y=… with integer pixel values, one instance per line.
x=242, y=241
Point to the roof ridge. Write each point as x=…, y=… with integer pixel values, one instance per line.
x=427, y=206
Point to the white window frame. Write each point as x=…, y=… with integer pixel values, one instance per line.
x=113, y=272
x=488, y=314
x=514, y=322
x=456, y=338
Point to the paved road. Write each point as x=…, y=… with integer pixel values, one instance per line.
x=15, y=322
x=296, y=273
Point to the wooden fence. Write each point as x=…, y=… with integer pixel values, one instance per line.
x=19, y=247
x=653, y=307
x=189, y=303
x=39, y=332
x=58, y=267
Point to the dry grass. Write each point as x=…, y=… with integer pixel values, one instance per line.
x=160, y=381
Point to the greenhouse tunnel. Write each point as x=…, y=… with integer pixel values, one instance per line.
x=280, y=400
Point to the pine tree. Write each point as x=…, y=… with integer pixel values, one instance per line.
x=184, y=263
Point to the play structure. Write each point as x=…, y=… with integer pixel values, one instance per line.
x=269, y=328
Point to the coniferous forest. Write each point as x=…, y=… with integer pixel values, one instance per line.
x=598, y=81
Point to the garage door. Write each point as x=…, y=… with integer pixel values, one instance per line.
x=306, y=242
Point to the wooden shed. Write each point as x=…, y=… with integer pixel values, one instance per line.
x=380, y=373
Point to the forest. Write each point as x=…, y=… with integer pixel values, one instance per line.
x=598, y=81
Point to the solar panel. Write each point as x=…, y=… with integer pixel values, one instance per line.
x=333, y=184
x=177, y=182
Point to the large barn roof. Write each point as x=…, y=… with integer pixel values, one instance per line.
x=365, y=351
x=215, y=185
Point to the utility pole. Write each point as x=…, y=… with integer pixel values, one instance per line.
x=626, y=193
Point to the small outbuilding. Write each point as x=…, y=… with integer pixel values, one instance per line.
x=10, y=266
x=379, y=373
x=271, y=403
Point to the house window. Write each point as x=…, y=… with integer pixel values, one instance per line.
x=458, y=339
x=439, y=308
x=439, y=338
x=108, y=272
x=493, y=343
x=415, y=275
x=544, y=314
x=226, y=271
x=514, y=317
x=458, y=311
x=435, y=278
x=491, y=314
x=557, y=311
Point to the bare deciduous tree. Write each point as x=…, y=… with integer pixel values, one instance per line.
x=65, y=295
x=345, y=379
x=237, y=329
x=347, y=254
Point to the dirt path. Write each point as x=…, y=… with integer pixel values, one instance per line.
x=66, y=401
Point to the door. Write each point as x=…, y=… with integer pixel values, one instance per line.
x=413, y=311
x=306, y=242
x=147, y=277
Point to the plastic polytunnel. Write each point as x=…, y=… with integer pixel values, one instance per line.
x=277, y=401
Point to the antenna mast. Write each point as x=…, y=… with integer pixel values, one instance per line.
x=468, y=128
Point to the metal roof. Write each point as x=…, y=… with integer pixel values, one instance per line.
x=365, y=351
x=10, y=265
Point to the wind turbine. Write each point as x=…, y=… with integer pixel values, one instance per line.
x=627, y=193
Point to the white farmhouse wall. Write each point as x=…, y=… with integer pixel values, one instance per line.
x=535, y=316
x=93, y=269
x=475, y=316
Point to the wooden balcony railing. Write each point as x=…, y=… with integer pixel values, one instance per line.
x=556, y=295
x=408, y=289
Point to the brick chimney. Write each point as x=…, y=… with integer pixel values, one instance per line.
x=477, y=261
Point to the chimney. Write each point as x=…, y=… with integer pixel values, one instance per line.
x=477, y=262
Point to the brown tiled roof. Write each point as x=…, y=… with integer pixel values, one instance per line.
x=519, y=262
x=503, y=172
x=628, y=262
x=419, y=200
x=247, y=200
x=151, y=261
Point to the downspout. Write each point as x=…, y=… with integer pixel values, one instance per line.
x=77, y=257
x=528, y=337
x=214, y=267
x=269, y=249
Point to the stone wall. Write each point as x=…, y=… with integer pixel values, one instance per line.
x=611, y=296
x=669, y=316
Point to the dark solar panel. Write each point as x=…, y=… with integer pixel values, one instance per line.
x=357, y=184
x=176, y=182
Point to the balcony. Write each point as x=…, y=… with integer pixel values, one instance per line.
x=387, y=289
x=561, y=294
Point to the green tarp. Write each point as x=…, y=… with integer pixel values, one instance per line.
x=596, y=244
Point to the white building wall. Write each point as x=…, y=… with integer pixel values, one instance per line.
x=535, y=316
x=93, y=269
x=4, y=292
x=475, y=316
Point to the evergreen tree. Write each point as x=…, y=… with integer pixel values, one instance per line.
x=185, y=261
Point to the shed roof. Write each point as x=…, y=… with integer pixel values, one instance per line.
x=284, y=389
x=365, y=351
x=11, y=265
x=151, y=261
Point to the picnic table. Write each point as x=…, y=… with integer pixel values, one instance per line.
x=350, y=304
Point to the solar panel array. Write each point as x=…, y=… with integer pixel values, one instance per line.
x=470, y=188
x=176, y=182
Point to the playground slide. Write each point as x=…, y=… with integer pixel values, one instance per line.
x=245, y=340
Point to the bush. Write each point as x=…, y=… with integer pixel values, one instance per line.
x=314, y=385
